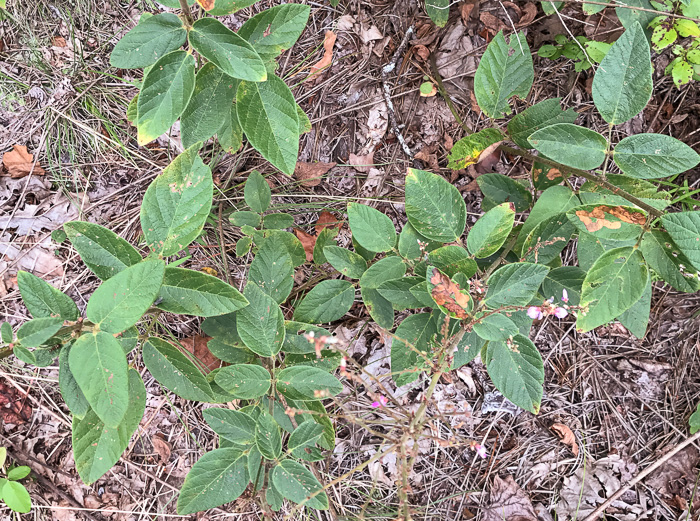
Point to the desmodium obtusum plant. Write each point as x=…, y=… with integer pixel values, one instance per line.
x=472, y=296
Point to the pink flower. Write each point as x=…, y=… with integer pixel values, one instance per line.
x=480, y=450
x=383, y=400
x=535, y=313
x=565, y=297
x=560, y=313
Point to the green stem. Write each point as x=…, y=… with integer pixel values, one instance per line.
x=186, y=14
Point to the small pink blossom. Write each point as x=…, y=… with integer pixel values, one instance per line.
x=383, y=400
x=560, y=313
x=480, y=450
x=565, y=297
x=535, y=313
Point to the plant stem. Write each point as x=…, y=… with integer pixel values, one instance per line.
x=186, y=13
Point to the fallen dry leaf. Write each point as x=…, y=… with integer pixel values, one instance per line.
x=197, y=345
x=308, y=241
x=676, y=476
x=508, y=502
x=328, y=43
x=530, y=11
x=19, y=163
x=35, y=258
x=63, y=512
x=566, y=436
x=493, y=25
x=59, y=41
x=448, y=294
x=309, y=174
x=50, y=214
x=14, y=408
x=327, y=220
x=162, y=448
x=362, y=163
x=422, y=52
x=207, y=5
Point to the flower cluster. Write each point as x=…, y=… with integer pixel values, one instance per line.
x=478, y=448
x=549, y=308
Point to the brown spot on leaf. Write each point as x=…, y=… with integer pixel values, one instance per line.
x=601, y=213
x=448, y=294
x=207, y=5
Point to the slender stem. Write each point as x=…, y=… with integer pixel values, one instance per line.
x=186, y=13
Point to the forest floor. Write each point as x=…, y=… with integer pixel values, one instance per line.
x=613, y=404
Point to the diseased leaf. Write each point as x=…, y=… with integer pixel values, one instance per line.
x=448, y=295
x=267, y=436
x=303, y=383
x=438, y=11
x=684, y=229
x=296, y=483
x=411, y=338
x=276, y=29
x=452, y=259
x=652, y=156
x=666, y=259
x=272, y=270
x=244, y=381
x=499, y=189
x=473, y=148
x=608, y=222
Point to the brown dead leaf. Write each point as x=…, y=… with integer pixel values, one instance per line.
x=207, y=5
x=508, y=502
x=14, y=407
x=363, y=163
x=530, y=11
x=466, y=10
x=309, y=174
x=492, y=24
x=308, y=241
x=600, y=213
x=327, y=220
x=328, y=43
x=676, y=476
x=429, y=157
x=18, y=162
x=59, y=41
x=36, y=258
x=422, y=52
x=448, y=294
x=65, y=512
x=197, y=345
x=162, y=448
x=566, y=436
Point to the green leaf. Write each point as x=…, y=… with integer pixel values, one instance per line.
x=629, y=16
x=410, y=243
x=38, y=330
x=552, y=201
x=245, y=218
x=550, y=8
x=539, y=116
x=230, y=134
x=591, y=9
x=174, y=371
x=412, y=335
x=102, y=250
x=636, y=318
x=244, y=381
x=43, y=300
x=235, y=426
x=328, y=301
x=278, y=221
x=571, y=145
x=304, y=436
x=195, y=293
x=569, y=278
x=267, y=436
x=438, y=11
x=123, y=299
x=434, y=207
x=612, y=286
x=517, y=371
x=491, y=230
x=372, y=229
x=275, y=30
x=307, y=383
x=348, y=263
x=684, y=229
x=273, y=271
x=97, y=447
x=16, y=497
x=218, y=477
x=398, y=292
x=515, y=284
x=70, y=390
x=652, y=156
x=622, y=85
x=502, y=189
x=165, y=93
x=323, y=239
x=18, y=473
x=504, y=71
x=294, y=339
x=618, y=223
x=99, y=366
x=694, y=420
x=203, y=116
x=328, y=361
x=149, y=41
x=257, y=192
x=224, y=7
x=666, y=259
x=227, y=50
x=6, y=332
x=548, y=239
x=177, y=203
x=496, y=327
x=467, y=349
x=268, y=115
x=380, y=309
x=296, y=483
x=388, y=268
x=42, y=357
x=260, y=324
x=452, y=259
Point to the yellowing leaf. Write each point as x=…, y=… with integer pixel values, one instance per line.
x=474, y=148
x=448, y=294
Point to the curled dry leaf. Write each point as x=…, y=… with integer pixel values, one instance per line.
x=14, y=407
x=448, y=294
x=309, y=174
x=363, y=163
x=197, y=345
x=19, y=163
x=493, y=25
x=162, y=448
x=529, y=11
x=566, y=436
x=308, y=241
x=508, y=502
x=328, y=43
